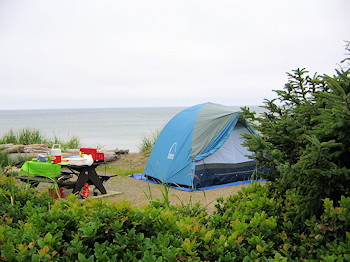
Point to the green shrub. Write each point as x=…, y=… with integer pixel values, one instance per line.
x=19, y=203
x=254, y=226
x=249, y=226
x=4, y=160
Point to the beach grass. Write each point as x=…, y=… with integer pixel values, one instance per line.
x=147, y=142
x=23, y=137
x=28, y=136
x=71, y=143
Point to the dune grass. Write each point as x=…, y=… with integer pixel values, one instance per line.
x=29, y=136
x=147, y=142
x=23, y=137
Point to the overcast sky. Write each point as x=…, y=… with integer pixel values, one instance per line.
x=92, y=54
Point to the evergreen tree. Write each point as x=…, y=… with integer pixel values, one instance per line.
x=304, y=140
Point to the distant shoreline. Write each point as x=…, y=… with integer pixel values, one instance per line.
x=108, y=108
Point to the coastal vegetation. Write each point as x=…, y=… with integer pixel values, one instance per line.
x=29, y=136
x=147, y=142
x=249, y=226
x=4, y=160
x=304, y=141
x=32, y=137
x=302, y=213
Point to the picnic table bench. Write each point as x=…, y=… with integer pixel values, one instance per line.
x=61, y=181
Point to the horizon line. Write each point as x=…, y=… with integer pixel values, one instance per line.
x=91, y=108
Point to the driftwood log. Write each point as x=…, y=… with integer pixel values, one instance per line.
x=19, y=153
x=5, y=146
x=18, y=157
x=14, y=149
x=110, y=156
x=34, y=148
x=121, y=151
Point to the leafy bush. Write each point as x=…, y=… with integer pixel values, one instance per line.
x=18, y=203
x=4, y=160
x=249, y=226
x=96, y=230
x=253, y=225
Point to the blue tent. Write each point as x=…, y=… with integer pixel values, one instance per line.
x=201, y=146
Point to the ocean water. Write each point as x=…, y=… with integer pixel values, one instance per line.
x=109, y=128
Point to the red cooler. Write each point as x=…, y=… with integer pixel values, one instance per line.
x=96, y=156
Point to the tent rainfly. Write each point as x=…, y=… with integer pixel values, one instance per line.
x=202, y=146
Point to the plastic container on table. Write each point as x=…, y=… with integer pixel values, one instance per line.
x=56, y=154
x=80, y=161
x=42, y=158
x=96, y=156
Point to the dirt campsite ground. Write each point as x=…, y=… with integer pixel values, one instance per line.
x=139, y=192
